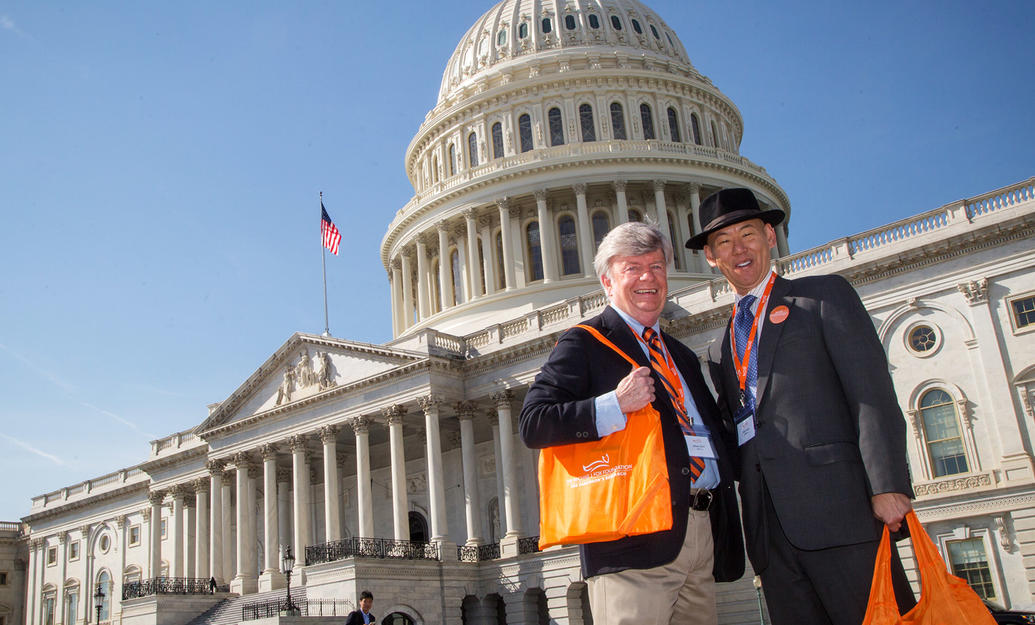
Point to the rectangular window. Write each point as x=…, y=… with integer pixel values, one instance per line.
x=134, y=535
x=164, y=528
x=52, y=556
x=969, y=562
x=1022, y=312
x=48, y=610
x=3, y=578
x=73, y=550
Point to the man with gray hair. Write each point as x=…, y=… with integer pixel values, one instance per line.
x=584, y=392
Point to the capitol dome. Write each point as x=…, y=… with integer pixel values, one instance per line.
x=556, y=121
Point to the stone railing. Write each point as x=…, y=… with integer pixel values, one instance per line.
x=370, y=548
x=87, y=487
x=173, y=441
x=11, y=527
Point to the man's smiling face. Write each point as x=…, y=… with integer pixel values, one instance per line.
x=638, y=285
x=741, y=252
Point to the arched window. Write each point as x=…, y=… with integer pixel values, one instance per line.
x=715, y=135
x=525, y=132
x=672, y=237
x=481, y=266
x=594, y=21
x=569, y=245
x=654, y=31
x=617, y=121
x=472, y=150
x=452, y=159
x=71, y=602
x=501, y=278
x=397, y=618
x=547, y=26
x=647, y=119
x=523, y=30
x=104, y=584
x=458, y=278
x=637, y=27
x=435, y=290
x=601, y=226
x=49, y=599
x=418, y=527
x=535, y=252
x=696, y=127
x=497, y=140
x=616, y=23
x=942, y=433
x=634, y=215
x=556, y=126
x=569, y=22
x=673, y=125
x=434, y=168
x=501, y=37
x=586, y=122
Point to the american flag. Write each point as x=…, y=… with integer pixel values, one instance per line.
x=331, y=236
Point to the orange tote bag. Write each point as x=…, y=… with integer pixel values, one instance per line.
x=944, y=598
x=607, y=489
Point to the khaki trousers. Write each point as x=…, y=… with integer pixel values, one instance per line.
x=680, y=592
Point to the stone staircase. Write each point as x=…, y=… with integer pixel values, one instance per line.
x=228, y=611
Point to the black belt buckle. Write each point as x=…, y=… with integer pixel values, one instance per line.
x=701, y=500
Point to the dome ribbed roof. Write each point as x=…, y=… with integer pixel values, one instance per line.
x=514, y=29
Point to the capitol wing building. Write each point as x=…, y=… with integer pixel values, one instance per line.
x=396, y=467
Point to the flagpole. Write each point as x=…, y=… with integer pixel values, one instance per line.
x=323, y=257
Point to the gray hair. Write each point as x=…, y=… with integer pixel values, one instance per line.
x=634, y=238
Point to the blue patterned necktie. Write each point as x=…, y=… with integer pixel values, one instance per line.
x=741, y=330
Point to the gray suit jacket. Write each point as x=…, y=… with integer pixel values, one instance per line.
x=829, y=431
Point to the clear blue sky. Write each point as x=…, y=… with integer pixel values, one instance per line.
x=160, y=165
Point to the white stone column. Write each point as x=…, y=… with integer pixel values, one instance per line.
x=503, y=400
x=155, y=530
x=423, y=296
x=622, y=208
x=497, y=455
x=701, y=265
x=433, y=452
x=400, y=509
x=781, y=238
x=407, y=291
x=300, y=488
x=175, y=534
x=473, y=270
x=585, y=231
x=396, y=290
x=364, y=497
x=189, y=520
x=488, y=255
x=246, y=581
x=681, y=229
x=548, y=243
x=472, y=502
x=661, y=209
x=62, y=547
x=465, y=294
x=202, y=537
x=215, y=554
x=331, y=487
x=35, y=544
x=283, y=511
x=229, y=565
x=271, y=578
x=445, y=268
x=122, y=523
x=508, y=244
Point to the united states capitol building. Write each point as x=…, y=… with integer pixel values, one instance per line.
x=396, y=467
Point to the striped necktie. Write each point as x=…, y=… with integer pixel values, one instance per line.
x=668, y=379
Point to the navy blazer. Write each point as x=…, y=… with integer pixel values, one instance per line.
x=559, y=409
x=829, y=432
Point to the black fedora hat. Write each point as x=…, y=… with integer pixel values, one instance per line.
x=727, y=207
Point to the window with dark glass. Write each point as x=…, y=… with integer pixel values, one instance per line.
x=458, y=278
x=636, y=27
x=601, y=226
x=942, y=432
x=594, y=21
x=547, y=26
x=501, y=37
x=616, y=23
x=696, y=127
x=922, y=338
x=1023, y=311
x=654, y=31
x=434, y=169
x=556, y=126
x=715, y=136
x=969, y=561
x=669, y=37
x=634, y=215
x=647, y=120
x=497, y=140
x=481, y=266
x=525, y=132
x=104, y=583
x=673, y=125
x=501, y=278
x=569, y=245
x=569, y=22
x=586, y=122
x=523, y=30
x=535, y=252
x=472, y=150
x=617, y=121
x=672, y=237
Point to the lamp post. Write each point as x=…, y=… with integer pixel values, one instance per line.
x=289, y=563
x=98, y=601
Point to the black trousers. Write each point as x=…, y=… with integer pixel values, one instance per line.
x=823, y=587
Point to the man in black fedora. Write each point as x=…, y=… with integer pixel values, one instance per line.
x=803, y=382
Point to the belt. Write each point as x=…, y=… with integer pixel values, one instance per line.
x=700, y=499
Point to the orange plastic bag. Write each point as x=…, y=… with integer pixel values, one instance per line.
x=944, y=598
x=607, y=489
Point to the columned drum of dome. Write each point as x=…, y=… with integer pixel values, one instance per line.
x=553, y=119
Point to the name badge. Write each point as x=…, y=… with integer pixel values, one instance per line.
x=745, y=420
x=700, y=446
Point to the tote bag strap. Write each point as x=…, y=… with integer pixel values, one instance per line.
x=600, y=337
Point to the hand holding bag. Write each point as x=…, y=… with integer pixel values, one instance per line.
x=944, y=599
x=606, y=489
